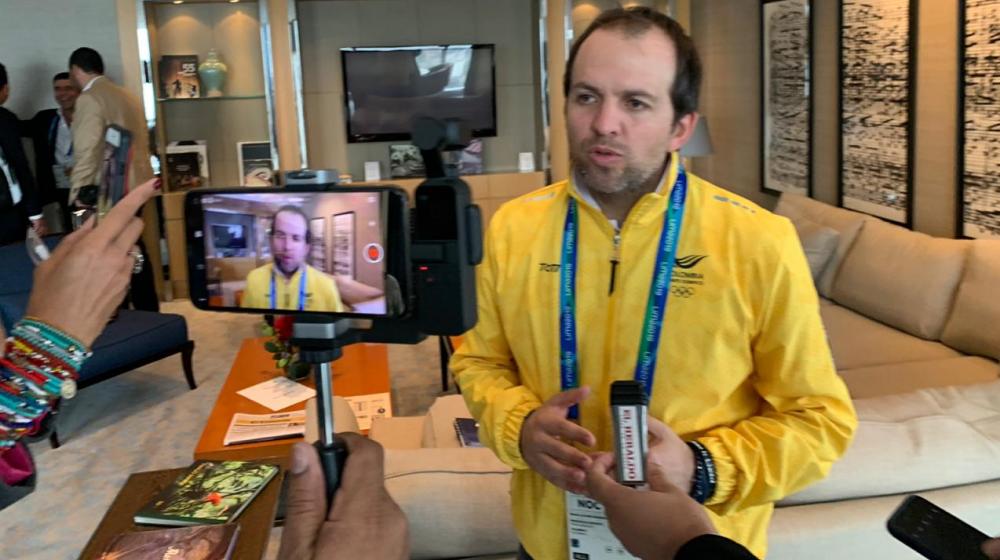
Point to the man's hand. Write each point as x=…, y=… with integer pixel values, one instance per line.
x=546, y=439
x=364, y=521
x=651, y=524
x=991, y=548
x=672, y=455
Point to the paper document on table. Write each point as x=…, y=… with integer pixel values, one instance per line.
x=366, y=408
x=247, y=428
x=278, y=393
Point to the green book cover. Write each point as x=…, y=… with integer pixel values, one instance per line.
x=210, y=492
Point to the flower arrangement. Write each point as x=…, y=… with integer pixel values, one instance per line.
x=285, y=354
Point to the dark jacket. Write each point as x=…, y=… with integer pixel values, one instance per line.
x=10, y=142
x=42, y=129
x=715, y=547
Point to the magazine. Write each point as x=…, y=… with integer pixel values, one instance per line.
x=248, y=428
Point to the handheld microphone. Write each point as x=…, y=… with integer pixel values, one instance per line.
x=628, y=412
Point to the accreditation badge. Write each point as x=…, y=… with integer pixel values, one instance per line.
x=587, y=531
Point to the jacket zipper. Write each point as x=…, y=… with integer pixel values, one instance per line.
x=615, y=259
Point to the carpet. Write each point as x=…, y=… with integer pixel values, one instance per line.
x=147, y=419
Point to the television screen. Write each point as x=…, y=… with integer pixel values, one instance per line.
x=386, y=88
x=228, y=236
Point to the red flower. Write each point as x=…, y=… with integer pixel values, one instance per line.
x=283, y=326
x=214, y=497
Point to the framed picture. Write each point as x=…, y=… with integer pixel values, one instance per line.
x=786, y=101
x=256, y=165
x=979, y=120
x=343, y=244
x=317, y=243
x=179, y=76
x=263, y=229
x=405, y=161
x=877, y=53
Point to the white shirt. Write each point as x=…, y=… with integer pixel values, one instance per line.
x=15, y=187
x=64, y=142
x=91, y=82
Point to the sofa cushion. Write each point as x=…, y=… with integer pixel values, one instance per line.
x=890, y=379
x=902, y=278
x=856, y=528
x=12, y=308
x=818, y=242
x=916, y=441
x=457, y=501
x=858, y=341
x=134, y=336
x=397, y=432
x=848, y=223
x=973, y=325
x=439, y=426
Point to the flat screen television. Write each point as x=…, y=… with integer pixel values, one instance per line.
x=228, y=236
x=387, y=87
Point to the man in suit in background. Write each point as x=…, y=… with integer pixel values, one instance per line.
x=50, y=132
x=102, y=103
x=19, y=204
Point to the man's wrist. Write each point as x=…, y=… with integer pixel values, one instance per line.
x=704, y=481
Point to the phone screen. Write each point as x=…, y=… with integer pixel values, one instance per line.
x=296, y=251
x=114, y=168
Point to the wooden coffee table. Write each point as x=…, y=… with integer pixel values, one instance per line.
x=255, y=522
x=362, y=370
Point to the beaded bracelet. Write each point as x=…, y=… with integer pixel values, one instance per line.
x=705, y=478
x=39, y=364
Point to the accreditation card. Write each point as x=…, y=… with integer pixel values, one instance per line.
x=587, y=531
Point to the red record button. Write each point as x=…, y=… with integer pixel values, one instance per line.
x=374, y=253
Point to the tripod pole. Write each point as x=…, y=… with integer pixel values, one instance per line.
x=332, y=451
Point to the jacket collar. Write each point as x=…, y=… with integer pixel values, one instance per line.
x=651, y=205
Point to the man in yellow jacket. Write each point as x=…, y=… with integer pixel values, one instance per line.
x=581, y=279
x=289, y=282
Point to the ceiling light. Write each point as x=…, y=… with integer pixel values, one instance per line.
x=178, y=1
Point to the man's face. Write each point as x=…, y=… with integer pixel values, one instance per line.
x=619, y=116
x=4, y=93
x=65, y=92
x=288, y=241
x=78, y=76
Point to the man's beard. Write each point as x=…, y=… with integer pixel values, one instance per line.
x=603, y=181
x=277, y=263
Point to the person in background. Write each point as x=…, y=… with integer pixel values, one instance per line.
x=19, y=201
x=102, y=103
x=74, y=294
x=290, y=282
x=52, y=137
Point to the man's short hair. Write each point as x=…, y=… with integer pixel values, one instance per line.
x=636, y=21
x=293, y=210
x=3, y=75
x=60, y=76
x=88, y=60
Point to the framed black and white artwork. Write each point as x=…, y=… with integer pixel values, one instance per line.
x=979, y=120
x=343, y=244
x=786, y=102
x=317, y=243
x=877, y=73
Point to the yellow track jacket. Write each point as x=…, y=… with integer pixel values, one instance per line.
x=744, y=366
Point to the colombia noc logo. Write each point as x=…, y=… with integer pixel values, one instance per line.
x=685, y=281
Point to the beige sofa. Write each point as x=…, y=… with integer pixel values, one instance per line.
x=914, y=325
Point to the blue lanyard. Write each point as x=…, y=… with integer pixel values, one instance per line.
x=656, y=305
x=302, y=290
